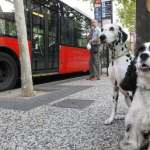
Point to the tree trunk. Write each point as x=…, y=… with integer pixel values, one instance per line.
x=26, y=77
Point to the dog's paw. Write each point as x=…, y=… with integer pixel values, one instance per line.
x=125, y=145
x=120, y=117
x=109, y=121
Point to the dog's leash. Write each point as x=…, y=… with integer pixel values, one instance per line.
x=110, y=45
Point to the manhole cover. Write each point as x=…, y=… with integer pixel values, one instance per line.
x=74, y=103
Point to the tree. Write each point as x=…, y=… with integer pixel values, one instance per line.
x=125, y=12
x=91, y=2
x=26, y=77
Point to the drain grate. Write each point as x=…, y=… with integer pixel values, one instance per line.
x=74, y=103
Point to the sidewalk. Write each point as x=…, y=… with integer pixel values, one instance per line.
x=69, y=116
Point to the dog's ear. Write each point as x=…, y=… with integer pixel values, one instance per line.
x=124, y=36
x=130, y=79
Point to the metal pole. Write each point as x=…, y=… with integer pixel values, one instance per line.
x=112, y=12
x=107, y=60
x=26, y=77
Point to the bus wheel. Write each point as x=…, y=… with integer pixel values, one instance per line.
x=8, y=72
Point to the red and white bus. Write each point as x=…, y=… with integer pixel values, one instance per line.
x=57, y=38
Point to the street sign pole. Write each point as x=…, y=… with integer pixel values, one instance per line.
x=97, y=12
x=107, y=15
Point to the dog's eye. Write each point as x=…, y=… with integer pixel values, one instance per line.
x=102, y=30
x=111, y=29
x=142, y=48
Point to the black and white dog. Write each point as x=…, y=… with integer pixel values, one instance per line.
x=137, y=120
x=120, y=58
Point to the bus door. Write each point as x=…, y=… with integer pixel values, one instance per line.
x=44, y=39
x=53, y=42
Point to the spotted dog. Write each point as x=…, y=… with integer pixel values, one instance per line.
x=137, y=120
x=120, y=58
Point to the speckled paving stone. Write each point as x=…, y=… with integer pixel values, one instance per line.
x=66, y=128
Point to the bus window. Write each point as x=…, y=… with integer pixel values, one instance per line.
x=81, y=35
x=81, y=30
x=67, y=25
x=52, y=40
x=52, y=4
x=7, y=18
x=38, y=44
x=67, y=28
x=74, y=27
x=2, y=26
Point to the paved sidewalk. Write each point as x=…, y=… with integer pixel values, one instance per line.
x=70, y=116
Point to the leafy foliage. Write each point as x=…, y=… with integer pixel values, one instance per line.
x=126, y=13
x=128, y=44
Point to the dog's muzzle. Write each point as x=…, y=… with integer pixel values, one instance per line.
x=144, y=67
x=144, y=57
x=103, y=38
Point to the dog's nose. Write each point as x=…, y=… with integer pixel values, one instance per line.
x=102, y=37
x=144, y=56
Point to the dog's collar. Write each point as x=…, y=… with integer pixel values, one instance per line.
x=111, y=47
x=116, y=57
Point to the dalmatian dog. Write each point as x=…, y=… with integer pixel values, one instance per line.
x=120, y=58
x=137, y=120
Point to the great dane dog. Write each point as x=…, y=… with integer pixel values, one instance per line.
x=120, y=58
